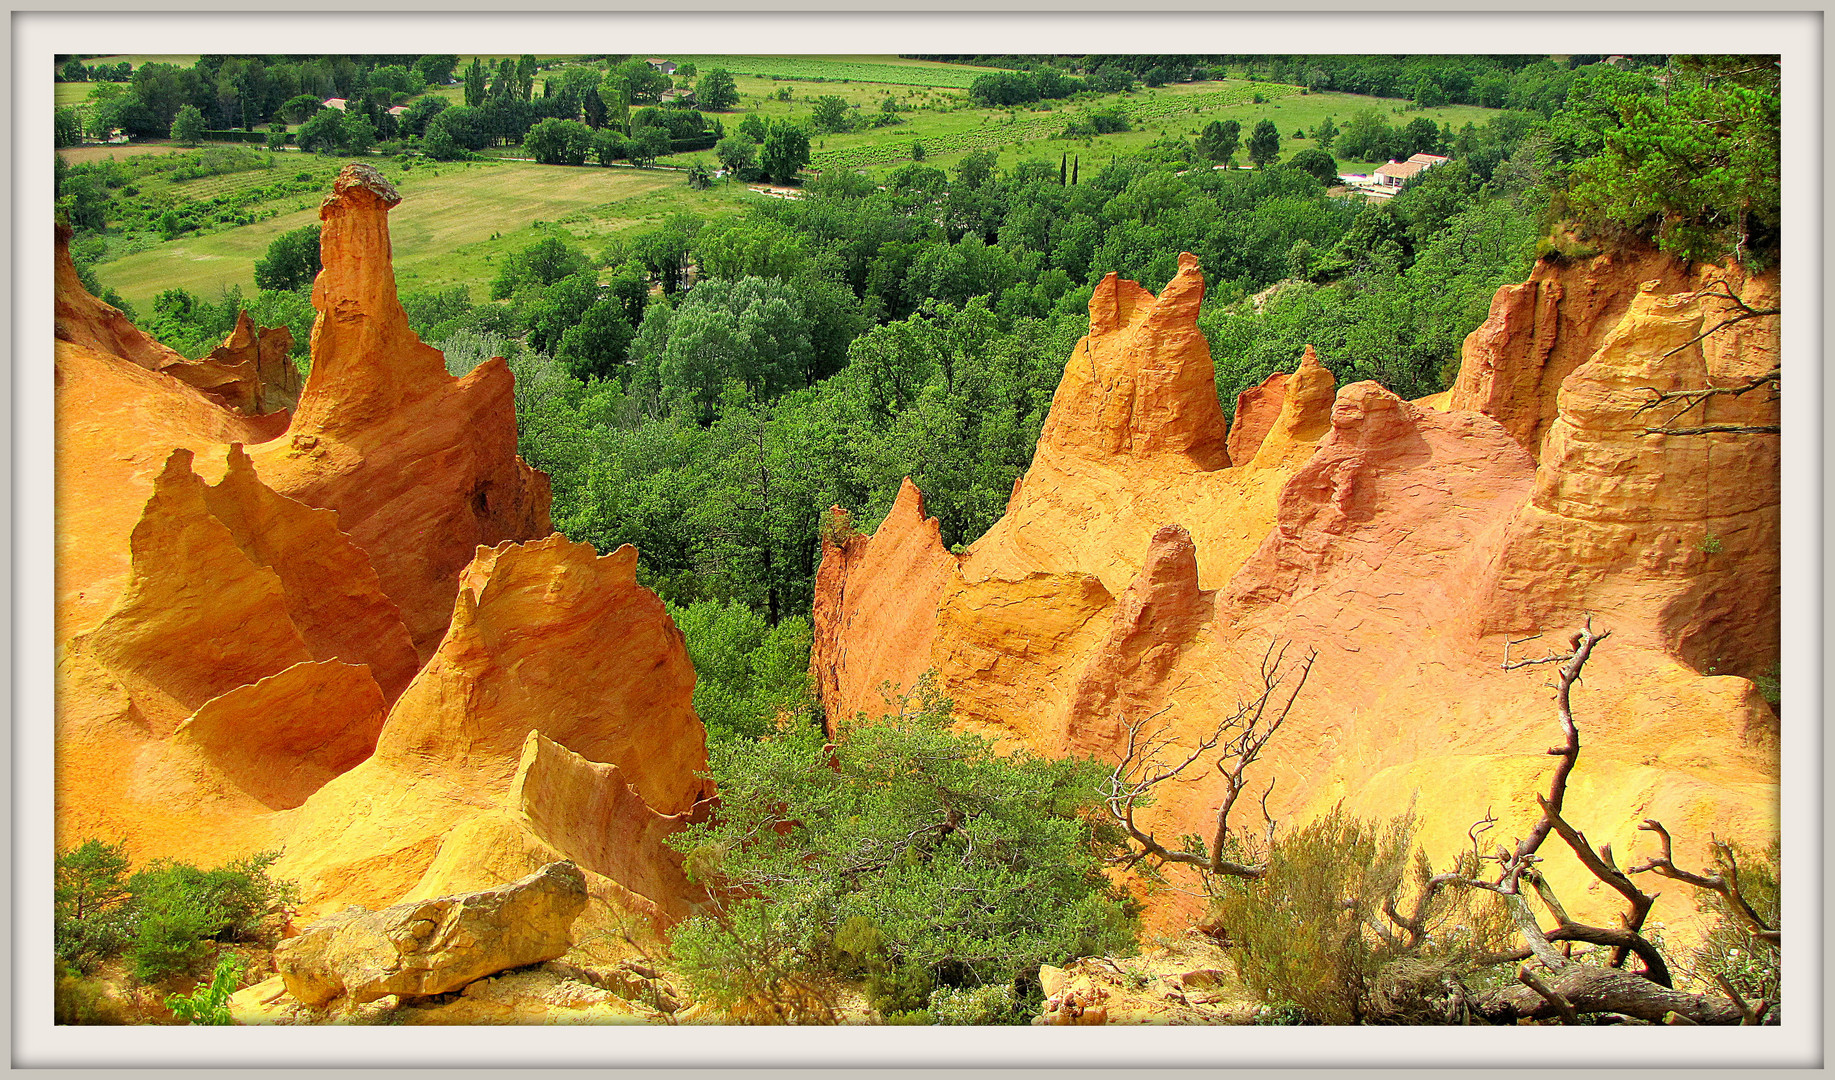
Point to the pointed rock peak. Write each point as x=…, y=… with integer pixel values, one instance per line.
x=622, y=564
x=1306, y=410
x=910, y=503
x=366, y=361
x=1179, y=301
x=1114, y=304
x=1171, y=555
x=177, y=471
x=242, y=336
x=239, y=463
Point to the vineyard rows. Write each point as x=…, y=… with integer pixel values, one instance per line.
x=817, y=68
x=1139, y=111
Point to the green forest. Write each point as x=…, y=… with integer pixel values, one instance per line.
x=705, y=380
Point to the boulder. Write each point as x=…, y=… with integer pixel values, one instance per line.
x=434, y=946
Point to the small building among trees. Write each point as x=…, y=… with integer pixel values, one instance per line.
x=1397, y=173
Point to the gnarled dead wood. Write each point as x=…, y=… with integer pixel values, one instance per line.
x=1234, y=744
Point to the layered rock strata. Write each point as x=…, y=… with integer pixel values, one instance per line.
x=1149, y=565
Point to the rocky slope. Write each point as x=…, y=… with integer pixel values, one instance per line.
x=346, y=632
x=1150, y=557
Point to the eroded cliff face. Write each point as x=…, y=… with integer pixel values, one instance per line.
x=1149, y=561
x=249, y=655
x=420, y=466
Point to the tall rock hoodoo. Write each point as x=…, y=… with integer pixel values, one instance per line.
x=420, y=466
x=1149, y=560
x=345, y=632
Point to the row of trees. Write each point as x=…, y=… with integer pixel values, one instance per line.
x=246, y=91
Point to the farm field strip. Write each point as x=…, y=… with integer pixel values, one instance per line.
x=451, y=224
x=1041, y=126
x=946, y=76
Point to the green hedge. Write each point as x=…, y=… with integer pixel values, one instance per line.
x=235, y=135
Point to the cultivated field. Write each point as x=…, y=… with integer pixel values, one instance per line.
x=459, y=219
x=77, y=155
x=868, y=69
x=454, y=223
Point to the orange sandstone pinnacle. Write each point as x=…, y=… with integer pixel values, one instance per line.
x=1147, y=560
x=341, y=632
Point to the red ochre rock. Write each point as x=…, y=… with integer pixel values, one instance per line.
x=1404, y=543
x=876, y=601
x=1256, y=410
x=420, y=466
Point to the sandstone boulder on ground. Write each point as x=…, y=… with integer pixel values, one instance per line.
x=434, y=946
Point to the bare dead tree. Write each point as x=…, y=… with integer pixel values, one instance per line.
x=1232, y=746
x=1726, y=882
x=1688, y=400
x=1551, y=982
x=1572, y=988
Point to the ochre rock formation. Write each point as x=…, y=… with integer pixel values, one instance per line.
x=1539, y=332
x=872, y=630
x=1138, y=577
x=420, y=466
x=250, y=657
x=262, y=358
x=428, y=947
x=1256, y=409
x=250, y=372
x=546, y=637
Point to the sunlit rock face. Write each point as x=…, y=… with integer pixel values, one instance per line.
x=346, y=632
x=1150, y=559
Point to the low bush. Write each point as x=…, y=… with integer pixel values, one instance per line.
x=1302, y=937
x=167, y=918
x=916, y=856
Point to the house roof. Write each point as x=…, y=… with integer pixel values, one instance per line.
x=1401, y=170
x=335, y=103
x=1429, y=159
x=398, y=110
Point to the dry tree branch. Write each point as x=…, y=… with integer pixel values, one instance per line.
x=1562, y=1006
x=1237, y=742
x=1726, y=883
x=1719, y=429
x=1691, y=399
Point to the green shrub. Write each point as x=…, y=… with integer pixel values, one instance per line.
x=902, y=849
x=209, y=1003
x=184, y=911
x=1302, y=933
x=993, y=1003
x=1751, y=965
x=94, y=913
x=80, y=1000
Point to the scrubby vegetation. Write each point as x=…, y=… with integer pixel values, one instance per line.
x=167, y=918
x=939, y=870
